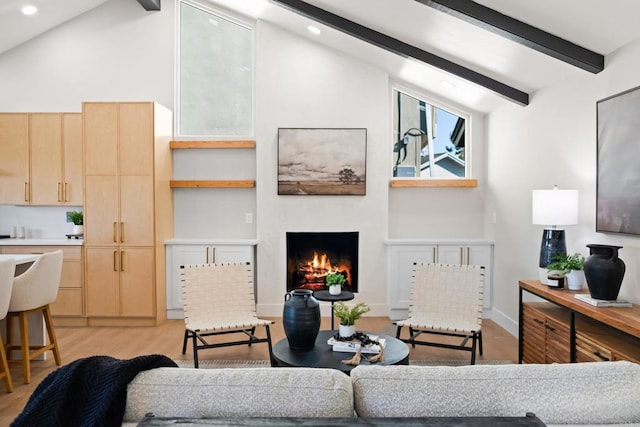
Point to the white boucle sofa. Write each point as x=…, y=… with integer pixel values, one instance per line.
x=600, y=393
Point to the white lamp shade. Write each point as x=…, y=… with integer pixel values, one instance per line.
x=555, y=207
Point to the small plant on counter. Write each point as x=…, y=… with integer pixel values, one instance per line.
x=76, y=217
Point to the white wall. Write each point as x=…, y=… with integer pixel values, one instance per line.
x=552, y=141
x=120, y=52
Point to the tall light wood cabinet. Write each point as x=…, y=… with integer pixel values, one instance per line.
x=14, y=152
x=127, y=210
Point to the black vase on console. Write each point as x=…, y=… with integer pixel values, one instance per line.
x=604, y=271
x=301, y=319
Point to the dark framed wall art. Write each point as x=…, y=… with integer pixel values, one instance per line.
x=322, y=161
x=618, y=176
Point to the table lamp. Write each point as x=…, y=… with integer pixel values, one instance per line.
x=552, y=208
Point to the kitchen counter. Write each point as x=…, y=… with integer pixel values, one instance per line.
x=61, y=241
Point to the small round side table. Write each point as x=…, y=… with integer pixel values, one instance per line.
x=326, y=296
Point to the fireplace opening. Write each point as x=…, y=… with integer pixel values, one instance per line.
x=311, y=256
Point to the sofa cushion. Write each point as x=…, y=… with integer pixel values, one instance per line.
x=579, y=393
x=255, y=392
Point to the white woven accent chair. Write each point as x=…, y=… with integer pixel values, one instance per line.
x=7, y=270
x=33, y=291
x=446, y=300
x=219, y=299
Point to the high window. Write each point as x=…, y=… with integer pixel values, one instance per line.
x=428, y=141
x=214, y=94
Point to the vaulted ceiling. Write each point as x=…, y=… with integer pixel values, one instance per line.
x=486, y=68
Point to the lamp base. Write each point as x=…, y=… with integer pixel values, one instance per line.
x=553, y=243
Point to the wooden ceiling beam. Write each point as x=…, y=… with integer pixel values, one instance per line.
x=401, y=48
x=520, y=32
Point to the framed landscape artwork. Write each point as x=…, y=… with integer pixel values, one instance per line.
x=618, y=177
x=322, y=161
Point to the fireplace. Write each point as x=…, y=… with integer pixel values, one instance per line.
x=311, y=256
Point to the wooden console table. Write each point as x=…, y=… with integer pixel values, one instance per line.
x=565, y=329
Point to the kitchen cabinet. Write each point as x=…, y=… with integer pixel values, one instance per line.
x=56, y=158
x=127, y=210
x=14, y=152
x=44, y=152
x=403, y=253
x=564, y=329
x=199, y=253
x=68, y=309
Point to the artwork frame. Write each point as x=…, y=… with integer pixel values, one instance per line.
x=618, y=156
x=322, y=161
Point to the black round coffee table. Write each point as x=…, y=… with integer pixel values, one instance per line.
x=326, y=296
x=322, y=355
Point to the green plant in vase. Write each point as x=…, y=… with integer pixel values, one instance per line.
x=77, y=218
x=335, y=281
x=569, y=266
x=348, y=316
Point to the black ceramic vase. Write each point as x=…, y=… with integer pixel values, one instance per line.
x=301, y=319
x=604, y=271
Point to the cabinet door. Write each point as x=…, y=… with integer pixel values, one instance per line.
x=103, y=281
x=135, y=135
x=100, y=124
x=137, y=281
x=45, y=131
x=230, y=253
x=102, y=225
x=533, y=335
x=72, y=158
x=402, y=259
x=451, y=254
x=482, y=255
x=14, y=152
x=136, y=222
x=183, y=255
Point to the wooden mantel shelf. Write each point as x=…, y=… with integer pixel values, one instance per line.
x=175, y=145
x=442, y=183
x=212, y=184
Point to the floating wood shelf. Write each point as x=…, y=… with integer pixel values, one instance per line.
x=212, y=184
x=443, y=183
x=175, y=145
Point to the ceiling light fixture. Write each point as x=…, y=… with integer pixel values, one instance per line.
x=314, y=30
x=29, y=10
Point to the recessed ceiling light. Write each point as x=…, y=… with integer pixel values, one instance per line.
x=447, y=84
x=29, y=10
x=314, y=30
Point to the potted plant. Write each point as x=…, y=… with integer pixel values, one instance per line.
x=77, y=219
x=348, y=316
x=570, y=266
x=335, y=281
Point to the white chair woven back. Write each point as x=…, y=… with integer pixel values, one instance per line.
x=7, y=270
x=446, y=297
x=38, y=286
x=219, y=297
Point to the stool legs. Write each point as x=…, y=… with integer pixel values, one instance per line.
x=6, y=374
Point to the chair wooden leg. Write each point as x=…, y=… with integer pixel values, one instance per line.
x=6, y=374
x=24, y=345
x=48, y=320
x=9, y=335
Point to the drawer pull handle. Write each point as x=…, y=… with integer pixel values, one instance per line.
x=539, y=322
x=551, y=328
x=115, y=232
x=122, y=232
x=121, y=260
x=115, y=268
x=59, y=192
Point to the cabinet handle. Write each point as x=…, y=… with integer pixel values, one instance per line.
x=433, y=254
x=600, y=356
x=539, y=322
x=207, y=255
x=26, y=191
x=551, y=328
x=115, y=231
x=65, y=192
x=461, y=256
x=59, y=192
x=468, y=258
x=122, y=232
x=213, y=255
x=115, y=268
x=121, y=260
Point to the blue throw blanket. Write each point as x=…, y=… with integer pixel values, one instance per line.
x=87, y=392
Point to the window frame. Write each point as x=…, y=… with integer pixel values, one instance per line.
x=412, y=182
x=235, y=19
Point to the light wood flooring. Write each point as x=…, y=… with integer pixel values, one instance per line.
x=128, y=342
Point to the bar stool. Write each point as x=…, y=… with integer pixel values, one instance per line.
x=33, y=291
x=7, y=269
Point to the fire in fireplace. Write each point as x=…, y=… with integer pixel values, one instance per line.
x=311, y=256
